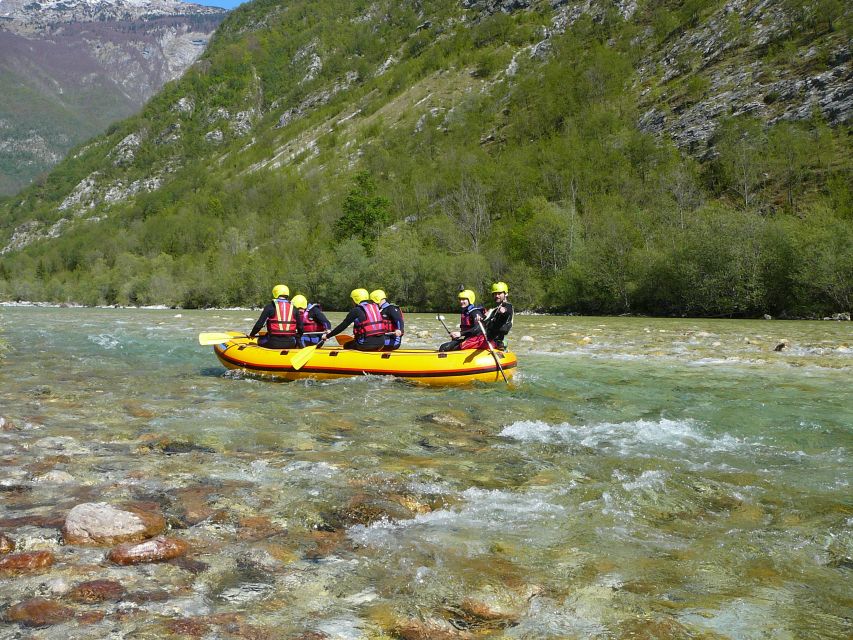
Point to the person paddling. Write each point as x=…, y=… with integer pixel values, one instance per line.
x=284, y=325
x=314, y=321
x=469, y=335
x=368, y=325
x=498, y=321
x=392, y=316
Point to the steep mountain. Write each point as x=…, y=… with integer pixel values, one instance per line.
x=69, y=68
x=602, y=156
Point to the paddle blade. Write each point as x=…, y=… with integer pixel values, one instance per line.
x=302, y=356
x=216, y=337
x=343, y=339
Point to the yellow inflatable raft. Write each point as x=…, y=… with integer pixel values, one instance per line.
x=419, y=365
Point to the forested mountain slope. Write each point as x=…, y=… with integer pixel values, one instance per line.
x=600, y=156
x=69, y=68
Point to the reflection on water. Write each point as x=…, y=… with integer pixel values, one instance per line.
x=639, y=479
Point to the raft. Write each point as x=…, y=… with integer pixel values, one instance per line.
x=424, y=366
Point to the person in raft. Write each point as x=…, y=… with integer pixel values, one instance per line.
x=368, y=325
x=392, y=316
x=469, y=335
x=498, y=321
x=284, y=325
x=314, y=321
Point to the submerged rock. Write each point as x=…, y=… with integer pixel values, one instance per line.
x=430, y=629
x=38, y=612
x=156, y=550
x=25, y=561
x=7, y=545
x=97, y=591
x=447, y=418
x=99, y=523
x=54, y=477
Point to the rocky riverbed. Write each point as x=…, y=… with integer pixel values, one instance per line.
x=640, y=479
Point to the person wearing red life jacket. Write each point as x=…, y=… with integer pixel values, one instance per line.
x=469, y=335
x=284, y=325
x=392, y=315
x=368, y=325
x=314, y=321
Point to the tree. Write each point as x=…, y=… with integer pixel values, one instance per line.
x=468, y=210
x=365, y=212
x=742, y=147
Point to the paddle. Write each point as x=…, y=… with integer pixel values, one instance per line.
x=441, y=320
x=492, y=351
x=218, y=337
x=304, y=354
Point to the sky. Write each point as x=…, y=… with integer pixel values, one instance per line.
x=225, y=4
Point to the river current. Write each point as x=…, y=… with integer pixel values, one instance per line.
x=640, y=478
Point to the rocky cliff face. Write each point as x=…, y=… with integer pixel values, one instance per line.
x=765, y=58
x=70, y=67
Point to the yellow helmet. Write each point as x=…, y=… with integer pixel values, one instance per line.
x=377, y=296
x=299, y=301
x=500, y=287
x=359, y=295
x=280, y=290
x=469, y=295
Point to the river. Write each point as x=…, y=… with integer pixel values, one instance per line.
x=640, y=478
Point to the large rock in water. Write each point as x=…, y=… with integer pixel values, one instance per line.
x=38, y=612
x=25, y=561
x=156, y=550
x=99, y=523
x=95, y=591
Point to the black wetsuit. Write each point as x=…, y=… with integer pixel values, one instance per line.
x=368, y=343
x=273, y=341
x=499, y=324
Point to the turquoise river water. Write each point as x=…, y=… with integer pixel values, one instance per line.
x=640, y=478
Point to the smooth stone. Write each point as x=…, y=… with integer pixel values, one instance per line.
x=7, y=545
x=38, y=612
x=528, y=339
x=55, y=477
x=155, y=550
x=188, y=627
x=99, y=523
x=430, y=629
x=26, y=561
x=447, y=418
x=97, y=591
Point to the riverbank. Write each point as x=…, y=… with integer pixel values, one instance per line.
x=840, y=317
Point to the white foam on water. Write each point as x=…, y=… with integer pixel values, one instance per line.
x=672, y=434
x=755, y=619
x=341, y=629
x=484, y=512
x=105, y=340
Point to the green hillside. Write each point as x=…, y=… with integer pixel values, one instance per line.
x=418, y=146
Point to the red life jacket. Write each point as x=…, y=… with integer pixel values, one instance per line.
x=283, y=324
x=467, y=321
x=389, y=325
x=309, y=325
x=372, y=325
